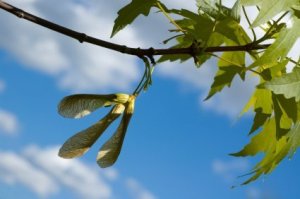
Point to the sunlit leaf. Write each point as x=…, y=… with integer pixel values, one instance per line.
x=294, y=139
x=280, y=48
x=261, y=142
x=80, y=105
x=274, y=149
x=279, y=149
x=285, y=112
x=288, y=85
x=270, y=8
x=259, y=119
x=109, y=152
x=270, y=71
x=261, y=101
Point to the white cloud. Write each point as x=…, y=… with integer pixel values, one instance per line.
x=229, y=170
x=16, y=169
x=8, y=123
x=53, y=174
x=81, y=178
x=254, y=193
x=111, y=174
x=2, y=86
x=137, y=190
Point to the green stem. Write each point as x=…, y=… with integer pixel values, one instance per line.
x=137, y=91
x=235, y=64
x=168, y=16
x=293, y=61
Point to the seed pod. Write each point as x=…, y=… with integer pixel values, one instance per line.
x=81, y=142
x=109, y=152
x=80, y=105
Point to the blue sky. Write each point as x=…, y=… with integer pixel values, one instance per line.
x=176, y=145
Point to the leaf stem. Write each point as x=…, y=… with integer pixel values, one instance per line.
x=169, y=17
x=230, y=62
x=293, y=61
x=137, y=91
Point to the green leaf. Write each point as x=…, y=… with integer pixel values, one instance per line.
x=263, y=101
x=130, y=12
x=271, y=8
x=109, y=152
x=259, y=119
x=288, y=84
x=288, y=106
x=271, y=71
x=280, y=48
x=260, y=99
x=230, y=64
x=214, y=9
x=261, y=142
x=274, y=149
x=285, y=112
x=233, y=31
x=194, y=24
x=81, y=142
x=294, y=139
x=80, y=105
x=277, y=151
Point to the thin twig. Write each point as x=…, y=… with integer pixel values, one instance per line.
x=82, y=37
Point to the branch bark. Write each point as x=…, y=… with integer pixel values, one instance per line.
x=82, y=37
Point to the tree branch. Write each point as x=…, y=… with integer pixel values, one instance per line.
x=82, y=37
